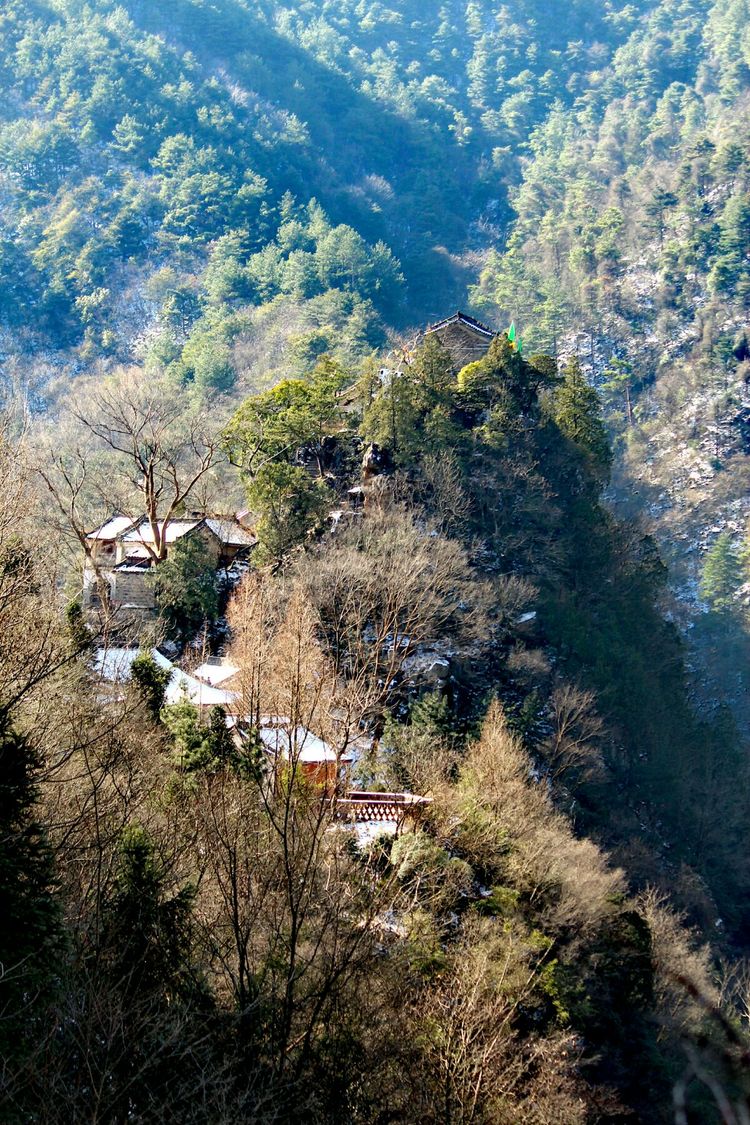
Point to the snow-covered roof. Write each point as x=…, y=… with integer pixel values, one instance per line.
x=143, y=533
x=215, y=673
x=135, y=563
x=229, y=532
x=298, y=743
x=182, y=685
x=114, y=665
x=111, y=528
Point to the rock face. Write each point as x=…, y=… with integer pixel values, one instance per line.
x=375, y=462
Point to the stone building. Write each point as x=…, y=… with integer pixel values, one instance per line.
x=121, y=553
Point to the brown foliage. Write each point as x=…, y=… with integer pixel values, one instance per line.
x=508, y=825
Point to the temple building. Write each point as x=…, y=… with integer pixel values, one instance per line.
x=464, y=338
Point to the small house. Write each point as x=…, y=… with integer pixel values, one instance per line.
x=122, y=551
x=113, y=668
x=318, y=761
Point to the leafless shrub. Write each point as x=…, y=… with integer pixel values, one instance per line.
x=450, y=502
x=476, y=1067
x=530, y=666
x=677, y=958
x=383, y=589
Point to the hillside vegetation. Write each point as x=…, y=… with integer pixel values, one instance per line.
x=227, y=191
x=190, y=928
x=180, y=177
x=630, y=246
x=222, y=225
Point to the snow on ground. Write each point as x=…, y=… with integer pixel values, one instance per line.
x=366, y=831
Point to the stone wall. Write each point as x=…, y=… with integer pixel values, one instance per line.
x=132, y=589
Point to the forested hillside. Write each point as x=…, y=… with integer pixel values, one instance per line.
x=631, y=246
x=191, y=927
x=226, y=191
x=508, y=596
x=180, y=177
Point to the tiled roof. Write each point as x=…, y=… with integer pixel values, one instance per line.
x=462, y=318
x=298, y=743
x=111, y=528
x=114, y=664
x=134, y=564
x=215, y=673
x=143, y=533
x=230, y=533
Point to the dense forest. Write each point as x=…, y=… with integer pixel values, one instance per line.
x=512, y=589
x=225, y=191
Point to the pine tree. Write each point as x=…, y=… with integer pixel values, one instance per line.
x=431, y=714
x=145, y=958
x=185, y=589
x=219, y=739
x=79, y=634
x=147, y=931
x=722, y=574
x=151, y=682
x=577, y=412
x=619, y=382
x=191, y=744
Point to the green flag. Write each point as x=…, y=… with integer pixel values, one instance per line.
x=512, y=331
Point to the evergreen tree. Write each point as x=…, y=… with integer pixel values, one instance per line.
x=146, y=959
x=290, y=506
x=31, y=941
x=198, y=746
x=147, y=930
x=219, y=738
x=577, y=411
x=619, y=385
x=192, y=749
x=151, y=682
x=722, y=574
x=185, y=589
x=79, y=634
x=431, y=714
x=413, y=412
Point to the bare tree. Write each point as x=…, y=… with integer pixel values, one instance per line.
x=32, y=648
x=382, y=590
x=574, y=746
x=451, y=503
x=476, y=1067
x=543, y=853
x=287, y=909
x=165, y=445
x=71, y=469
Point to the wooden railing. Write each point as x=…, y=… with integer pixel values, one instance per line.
x=398, y=807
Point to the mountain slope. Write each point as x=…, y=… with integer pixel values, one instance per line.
x=631, y=246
